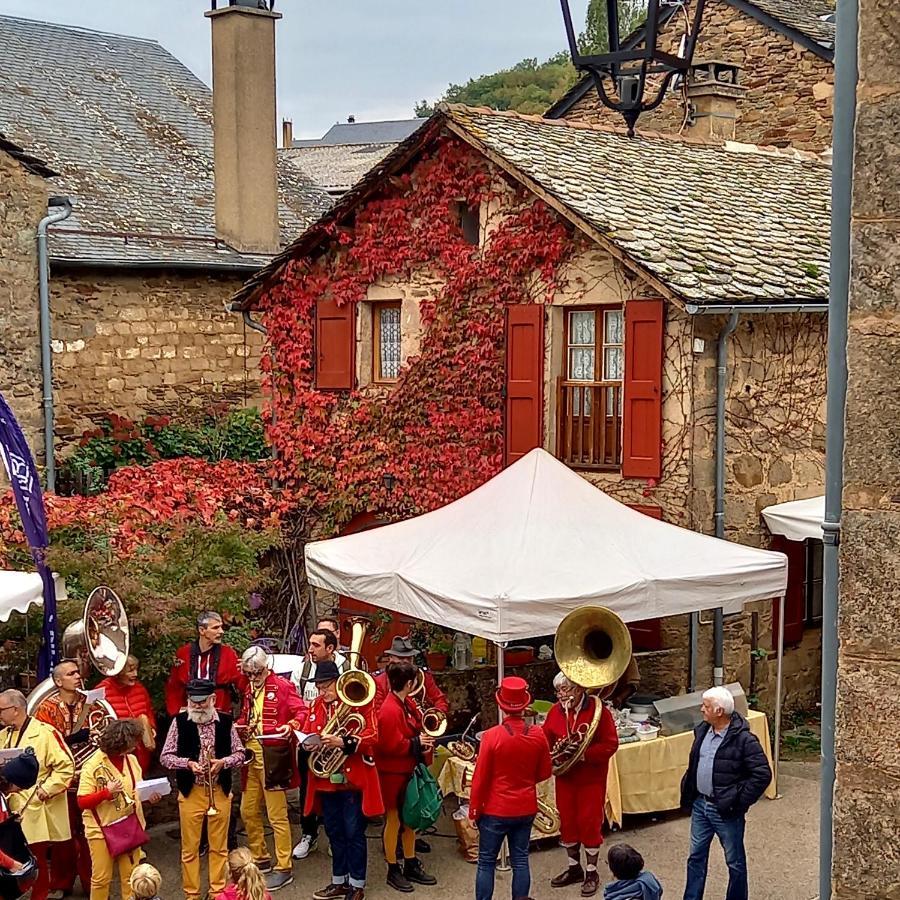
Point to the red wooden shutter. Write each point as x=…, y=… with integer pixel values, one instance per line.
x=524, y=379
x=642, y=414
x=335, y=346
x=646, y=634
x=795, y=596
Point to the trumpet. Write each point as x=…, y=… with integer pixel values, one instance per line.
x=434, y=720
x=355, y=689
x=210, y=786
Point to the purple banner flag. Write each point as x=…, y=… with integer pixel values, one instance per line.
x=26, y=488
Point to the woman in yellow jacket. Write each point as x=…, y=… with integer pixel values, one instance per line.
x=108, y=792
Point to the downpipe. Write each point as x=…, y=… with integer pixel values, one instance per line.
x=60, y=210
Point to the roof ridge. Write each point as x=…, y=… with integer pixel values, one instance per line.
x=575, y=125
x=82, y=29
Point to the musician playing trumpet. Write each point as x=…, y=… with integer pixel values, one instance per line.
x=346, y=797
x=202, y=747
x=581, y=786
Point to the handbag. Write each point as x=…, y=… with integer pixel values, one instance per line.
x=423, y=800
x=125, y=834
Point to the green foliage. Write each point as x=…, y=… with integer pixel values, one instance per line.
x=594, y=38
x=118, y=442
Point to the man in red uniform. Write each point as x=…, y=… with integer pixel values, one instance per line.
x=350, y=796
x=206, y=659
x=513, y=759
x=581, y=792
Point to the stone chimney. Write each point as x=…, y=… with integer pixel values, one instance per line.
x=713, y=94
x=287, y=133
x=243, y=66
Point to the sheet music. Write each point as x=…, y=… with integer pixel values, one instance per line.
x=95, y=695
x=146, y=789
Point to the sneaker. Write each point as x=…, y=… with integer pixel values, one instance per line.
x=356, y=894
x=413, y=870
x=397, y=879
x=331, y=892
x=264, y=865
x=275, y=881
x=305, y=847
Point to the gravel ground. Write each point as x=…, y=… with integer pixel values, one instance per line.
x=782, y=849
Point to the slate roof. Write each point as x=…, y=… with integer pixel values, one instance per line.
x=130, y=130
x=813, y=18
x=705, y=223
x=390, y=131
x=338, y=167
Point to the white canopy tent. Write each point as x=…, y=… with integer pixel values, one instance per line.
x=797, y=520
x=19, y=590
x=510, y=559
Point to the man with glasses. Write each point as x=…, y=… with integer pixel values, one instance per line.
x=581, y=791
x=44, y=810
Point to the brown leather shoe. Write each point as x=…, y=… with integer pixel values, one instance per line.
x=572, y=875
x=331, y=892
x=591, y=884
x=356, y=894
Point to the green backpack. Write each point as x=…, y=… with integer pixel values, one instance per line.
x=423, y=800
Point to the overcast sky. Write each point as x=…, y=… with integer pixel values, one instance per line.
x=371, y=58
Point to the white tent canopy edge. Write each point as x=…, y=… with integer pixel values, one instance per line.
x=797, y=520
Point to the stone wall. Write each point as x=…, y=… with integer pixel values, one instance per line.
x=866, y=799
x=147, y=343
x=23, y=203
x=790, y=88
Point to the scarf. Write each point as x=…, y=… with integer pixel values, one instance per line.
x=644, y=887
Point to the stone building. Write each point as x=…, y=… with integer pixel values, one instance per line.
x=785, y=50
x=171, y=212
x=866, y=857
x=616, y=374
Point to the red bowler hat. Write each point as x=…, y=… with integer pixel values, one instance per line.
x=512, y=695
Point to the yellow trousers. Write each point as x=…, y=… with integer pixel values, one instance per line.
x=393, y=828
x=102, y=869
x=192, y=814
x=255, y=794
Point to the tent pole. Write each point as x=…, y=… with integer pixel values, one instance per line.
x=504, y=852
x=778, y=680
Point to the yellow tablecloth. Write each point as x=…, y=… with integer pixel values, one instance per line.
x=644, y=777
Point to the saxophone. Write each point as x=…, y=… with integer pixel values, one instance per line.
x=355, y=689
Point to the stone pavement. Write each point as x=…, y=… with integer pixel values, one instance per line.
x=782, y=848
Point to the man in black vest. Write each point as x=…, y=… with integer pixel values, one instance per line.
x=202, y=747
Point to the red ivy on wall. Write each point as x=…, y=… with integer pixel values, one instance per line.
x=439, y=430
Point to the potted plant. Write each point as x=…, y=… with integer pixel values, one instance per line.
x=438, y=655
x=431, y=641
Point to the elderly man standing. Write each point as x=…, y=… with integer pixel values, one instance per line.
x=203, y=746
x=207, y=659
x=270, y=713
x=727, y=773
x=44, y=811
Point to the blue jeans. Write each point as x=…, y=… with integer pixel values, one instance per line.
x=492, y=830
x=345, y=826
x=706, y=821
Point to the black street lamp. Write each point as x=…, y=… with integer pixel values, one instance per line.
x=390, y=482
x=621, y=75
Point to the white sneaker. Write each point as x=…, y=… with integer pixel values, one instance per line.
x=305, y=847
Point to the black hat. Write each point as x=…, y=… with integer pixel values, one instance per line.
x=199, y=689
x=22, y=771
x=326, y=670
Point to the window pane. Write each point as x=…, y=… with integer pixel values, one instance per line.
x=612, y=364
x=389, y=341
x=582, y=332
x=614, y=325
x=581, y=364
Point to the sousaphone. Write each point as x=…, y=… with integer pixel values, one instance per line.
x=100, y=638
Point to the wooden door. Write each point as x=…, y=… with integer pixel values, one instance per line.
x=524, y=379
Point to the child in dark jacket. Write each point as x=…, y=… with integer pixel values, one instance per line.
x=632, y=882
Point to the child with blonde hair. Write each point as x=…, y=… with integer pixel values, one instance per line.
x=247, y=882
x=145, y=881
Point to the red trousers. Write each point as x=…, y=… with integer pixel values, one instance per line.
x=581, y=810
x=41, y=886
x=69, y=859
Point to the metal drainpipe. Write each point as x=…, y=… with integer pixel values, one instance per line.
x=845, y=81
x=719, y=517
x=61, y=209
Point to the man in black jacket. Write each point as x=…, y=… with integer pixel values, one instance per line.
x=727, y=773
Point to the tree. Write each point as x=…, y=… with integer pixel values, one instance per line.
x=531, y=87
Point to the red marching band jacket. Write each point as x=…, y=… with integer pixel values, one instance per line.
x=594, y=764
x=398, y=725
x=282, y=705
x=359, y=768
x=226, y=674
x=434, y=696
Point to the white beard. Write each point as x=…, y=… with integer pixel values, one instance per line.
x=201, y=716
